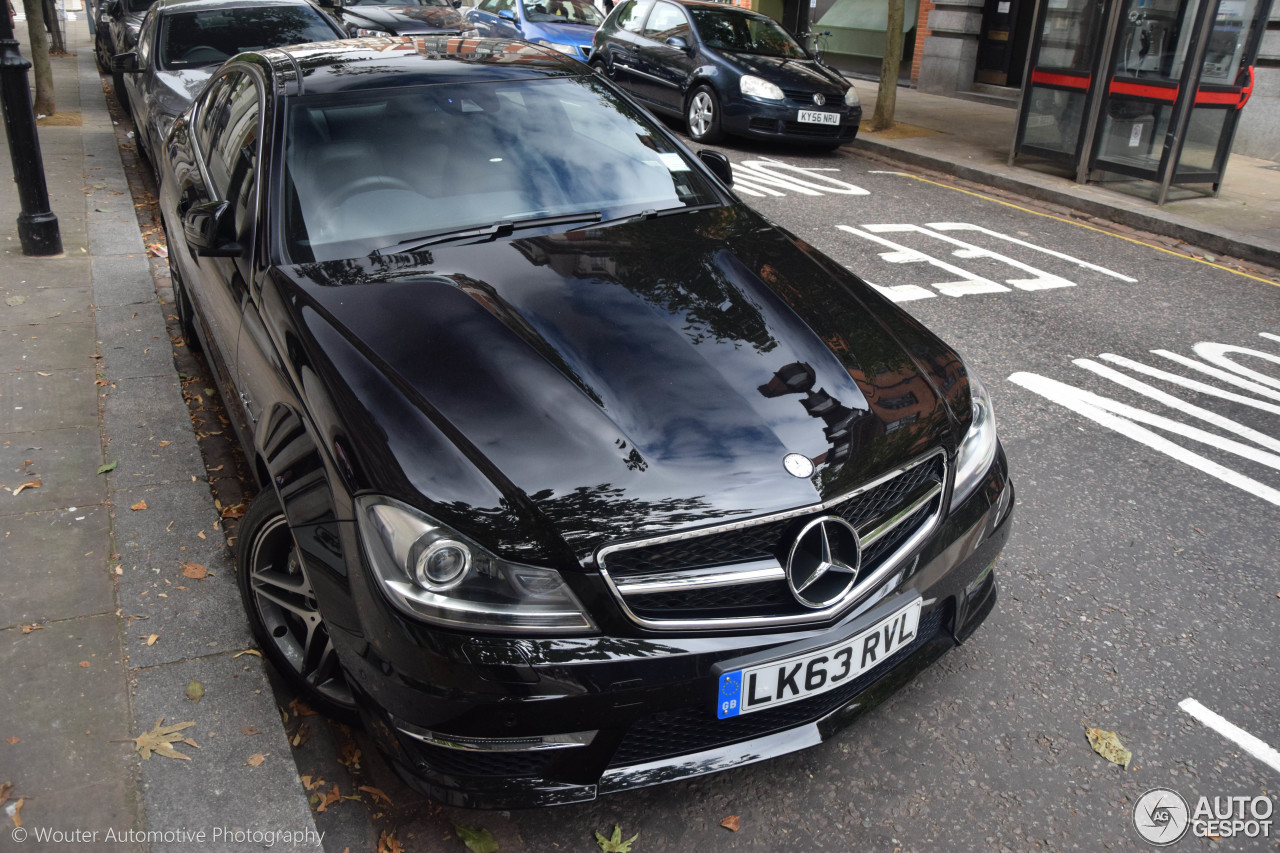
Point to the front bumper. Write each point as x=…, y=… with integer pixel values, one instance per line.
x=518, y=723
x=762, y=120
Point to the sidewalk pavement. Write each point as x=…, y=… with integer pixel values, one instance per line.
x=101, y=633
x=972, y=140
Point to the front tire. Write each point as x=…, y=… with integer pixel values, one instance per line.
x=181, y=301
x=702, y=116
x=283, y=612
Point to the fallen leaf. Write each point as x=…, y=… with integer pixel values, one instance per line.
x=29, y=484
x=42, y=373
x=6, y=791
x=161, y=739
x=254, y=652
x=350, y=756
x=376, y=794
x=615, y=844
x=27, y=629
x=17, y=812
x=195, y=571
x=478, y=840
x=301, y=736
x=151, y=639
x=387, y=843
x=84, y=664
x=255, y=760
x=249, y=731
x=12, y=740
x=208, y=392
x=730, y=823
x=236, y=511
x=139, y=506
x=165, y=443
x=200, y=535
x=300, y=708
x=1108, y=746
x=329, y=799
x=312, y=784
x=195, y=691
x=108, y=468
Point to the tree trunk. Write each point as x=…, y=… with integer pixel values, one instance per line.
x=39, y=45
x=887, y=99
x=57, y=46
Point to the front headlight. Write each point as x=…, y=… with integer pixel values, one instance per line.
x=757, y=88
x=978, y=450
x=439, y=576
x=851, y=98
x=563, y=48
x=365, y=32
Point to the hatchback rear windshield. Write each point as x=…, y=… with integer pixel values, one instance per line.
x=211, y=37
x=725, y=29
x=368, y=170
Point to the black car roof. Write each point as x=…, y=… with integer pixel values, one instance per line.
x=197, y=5
x=376, y=63
x=712, y=4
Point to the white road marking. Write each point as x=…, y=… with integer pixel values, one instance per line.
x=1269, y=335
x=903, y=292
x=1039, y=280
x=1254, y=746
x=968, y=283
x=761, y=177
x=1217, y=354
x=1225, y=376
x=1211, y=390
x=1180, y=405
x=965, y=226
x=1095, y=408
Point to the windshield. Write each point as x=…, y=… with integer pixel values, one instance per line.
x=197, y=39
x=444, y=3
x=365, y=171
x=562, y=11
x=134, y=7
x=735, y=31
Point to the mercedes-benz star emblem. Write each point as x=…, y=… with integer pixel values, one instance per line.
x=824, y=561
x=819, y=98
x=798, y=465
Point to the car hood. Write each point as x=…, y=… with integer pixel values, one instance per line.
x=575, y=34
x=791, y=73
x=405, y=20
x=637, y=378
x=175, y=90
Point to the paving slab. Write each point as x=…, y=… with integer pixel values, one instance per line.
x=220, y=791
x=120, y=280
x=57, y=566
x=48, y=346
x=135, y=341
x=65, y=461
x=32, y=400
x=149, y=432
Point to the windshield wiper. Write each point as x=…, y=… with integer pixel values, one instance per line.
x=486, y=233
x=652, y=214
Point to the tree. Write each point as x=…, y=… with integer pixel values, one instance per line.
x=57, y=45
x=887, y=99
x=44, y=103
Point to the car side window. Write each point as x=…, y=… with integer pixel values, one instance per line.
x=666, y=20
x=232, y=157
x=632, y=18
x=145, y=39
x=211, y=113
x=493, y=7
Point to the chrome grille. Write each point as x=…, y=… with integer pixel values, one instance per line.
x=732, y=575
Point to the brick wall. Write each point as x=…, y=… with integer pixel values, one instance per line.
x=922, y=33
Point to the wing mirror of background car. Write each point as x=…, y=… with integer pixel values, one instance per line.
x=457, y=4
x=679, y=43
x=123, y=62
x=507, y=14
x=113, y=8
x=718, y=164
x=208, y=228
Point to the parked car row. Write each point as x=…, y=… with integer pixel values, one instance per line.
x=574, y=473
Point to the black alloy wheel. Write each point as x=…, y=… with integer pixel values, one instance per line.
x=283, y=611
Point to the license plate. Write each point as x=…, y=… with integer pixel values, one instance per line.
x=818, y=117
x=801, y=676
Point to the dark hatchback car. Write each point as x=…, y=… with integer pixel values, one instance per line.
x=572, y=479
x=401, y=17
x=724, y=70
x=117, y=29
x=182, y=42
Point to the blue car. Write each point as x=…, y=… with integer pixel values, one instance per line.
x=564, y=25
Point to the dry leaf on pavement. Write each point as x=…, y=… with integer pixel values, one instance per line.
x=16, y=814
x=329, y=799
x=29, y=484
x=161, y=739
x=730, y=823
x=236, y=511
x=255, y=760
x=12, y=740
x=300, y=709
x=376, y=794
x=6, y=791
x=27, y=629
x=1108, y=746
x=139, y=506
x=387, y=843
x=253, y=652
x=195, y=571
x=151, y=639
x=250, y=731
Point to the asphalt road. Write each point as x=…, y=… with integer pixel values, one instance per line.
x=1142, y=570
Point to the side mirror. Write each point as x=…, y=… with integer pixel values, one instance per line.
x=208, y=226
x=114, y=8
x=718, y=164
x=457, y=4
x=124, y=62
x=679, y=43
x=507, y=15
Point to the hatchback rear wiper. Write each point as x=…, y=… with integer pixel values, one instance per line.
x=485, y=233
